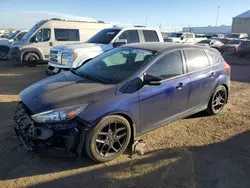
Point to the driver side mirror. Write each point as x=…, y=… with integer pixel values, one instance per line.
x=120, y=42
x=182, y=37
x=152, y=80
x=34, y=39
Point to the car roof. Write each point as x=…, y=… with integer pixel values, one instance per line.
x=162, y=46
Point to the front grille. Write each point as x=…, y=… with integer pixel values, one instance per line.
x=54, y=56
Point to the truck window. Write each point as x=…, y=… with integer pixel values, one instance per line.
x=43, y=35
x=67, y=35
x=150, y=36
x=130, y=35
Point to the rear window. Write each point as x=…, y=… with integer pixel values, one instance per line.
x=150, y=36
x=196, y=60
x=67, y=35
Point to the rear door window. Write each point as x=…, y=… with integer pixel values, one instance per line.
x=150, y=36
x=196, y=60
x=130, y=35
x=67, y=35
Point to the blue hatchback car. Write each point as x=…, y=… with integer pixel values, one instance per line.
x=102, y=106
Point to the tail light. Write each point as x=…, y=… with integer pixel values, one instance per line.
x=226, y=66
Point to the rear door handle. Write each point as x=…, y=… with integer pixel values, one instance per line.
x=211, y=74
x=180, y=85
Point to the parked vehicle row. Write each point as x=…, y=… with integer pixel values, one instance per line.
x=6, y=43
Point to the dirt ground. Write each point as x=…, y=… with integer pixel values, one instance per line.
x=196, y=152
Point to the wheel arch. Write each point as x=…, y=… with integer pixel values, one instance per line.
x=128, y=118
x=31, y=50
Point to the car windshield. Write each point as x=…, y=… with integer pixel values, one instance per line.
x=233, y=36
x=12, y=35
x=32, y=30
x=115, y=65
x=104, y=36
x=235, y=42
x=205, y=41
x=175, y=35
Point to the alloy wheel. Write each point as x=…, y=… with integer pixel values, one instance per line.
x=111, y=139
x=219, y=100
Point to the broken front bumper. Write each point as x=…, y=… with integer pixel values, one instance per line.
x=47, y=138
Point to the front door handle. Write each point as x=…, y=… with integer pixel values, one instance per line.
x=180, y=85
x=50, y=43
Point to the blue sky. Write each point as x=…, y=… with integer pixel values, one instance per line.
x=168, y=13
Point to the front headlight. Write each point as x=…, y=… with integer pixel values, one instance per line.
x=60, y=114
x=68, y=57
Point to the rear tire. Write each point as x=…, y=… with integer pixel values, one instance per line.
x=109, y=139
x=31, y=59
x=217, y=100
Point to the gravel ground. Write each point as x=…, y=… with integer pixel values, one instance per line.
x=197, y=152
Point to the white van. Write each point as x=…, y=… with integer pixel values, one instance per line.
x=6, y=43
x=36, y=44
x=181, y=37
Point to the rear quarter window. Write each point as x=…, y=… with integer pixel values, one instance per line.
x=213, y=58
x=150, y=36
x=196, y=60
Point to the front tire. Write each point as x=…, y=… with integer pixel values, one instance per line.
x=217, y=101
x=31, y=59
x=109, y=139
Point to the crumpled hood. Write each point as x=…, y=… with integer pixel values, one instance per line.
x=64, y=89
x=76, y=46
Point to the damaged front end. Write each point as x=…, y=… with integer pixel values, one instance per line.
x=49, y=137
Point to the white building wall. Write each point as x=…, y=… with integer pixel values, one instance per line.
x=241, y=25
x=209, y=29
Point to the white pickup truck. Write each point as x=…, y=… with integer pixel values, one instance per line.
x=72, y=56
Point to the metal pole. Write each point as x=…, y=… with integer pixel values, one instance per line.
x=146, y=20
x=217, y=15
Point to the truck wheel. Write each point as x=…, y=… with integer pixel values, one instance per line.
x=109, y=139
x=31, y=59
x=3, y=53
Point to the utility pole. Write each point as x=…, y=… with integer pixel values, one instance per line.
x=218, y=10
x=146, y=21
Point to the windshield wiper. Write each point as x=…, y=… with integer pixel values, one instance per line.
x=90, y=77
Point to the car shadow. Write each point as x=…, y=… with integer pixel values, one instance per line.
x=222, y=164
